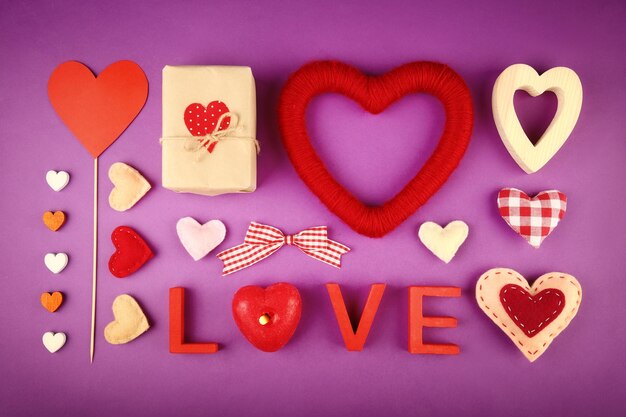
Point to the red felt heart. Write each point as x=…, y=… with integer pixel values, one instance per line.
x=267, y=317
x=531, y=313
x=201, y=121
x=131, y=252
x=97, y=110
x=375, y=94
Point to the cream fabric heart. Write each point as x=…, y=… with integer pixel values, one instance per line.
x=56, y=262
x=200, y=239
x=53, y=341
x=510, y=315
x=443, y=242
x=57, y=180
x=129, y=323
x=569, y=91
x=129, y=186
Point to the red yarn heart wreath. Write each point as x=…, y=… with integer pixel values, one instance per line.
x=375, y=94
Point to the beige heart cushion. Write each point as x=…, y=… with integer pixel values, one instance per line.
x=130, y=186
x=129, y=323
x=488, y=296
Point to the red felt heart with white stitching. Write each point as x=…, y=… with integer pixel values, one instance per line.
x=131, y=252
x=531, y=313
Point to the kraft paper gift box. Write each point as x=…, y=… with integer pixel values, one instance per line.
x=197, y=158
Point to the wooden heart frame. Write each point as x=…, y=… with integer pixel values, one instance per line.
x=375, y=94
x=564, y=83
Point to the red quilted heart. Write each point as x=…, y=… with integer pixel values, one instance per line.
x=531, y=313
x=131, y=252
x=375, y=94
x=267, y=317
x=201, y=121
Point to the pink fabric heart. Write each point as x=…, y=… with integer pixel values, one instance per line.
x=200, y=239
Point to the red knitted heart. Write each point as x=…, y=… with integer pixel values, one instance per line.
x=131, y=252
x=267, y=317
x=375, y=94
x=531, y=313
x=200, y=120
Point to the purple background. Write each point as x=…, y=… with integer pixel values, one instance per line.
x=583, y=372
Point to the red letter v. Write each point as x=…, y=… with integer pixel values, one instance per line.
x=355, y=340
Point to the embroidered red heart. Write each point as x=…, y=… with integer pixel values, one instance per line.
x=375, y=94
x=532, y=218
x=97, y=110
x=531, y=313
x=201, y=121
x=267, y=317
x=131, y=252
x=531, y=316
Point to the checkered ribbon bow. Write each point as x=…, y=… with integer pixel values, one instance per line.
x=261, y=241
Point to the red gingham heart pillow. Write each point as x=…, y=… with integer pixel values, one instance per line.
x=533, y=218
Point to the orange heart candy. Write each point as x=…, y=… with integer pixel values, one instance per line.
x=51, y=302
x=55, y=220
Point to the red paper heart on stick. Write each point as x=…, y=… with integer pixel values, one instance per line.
x=131, y=252
x=97, y=109
x=375, y=94
x=267, y=317
x=532, y=313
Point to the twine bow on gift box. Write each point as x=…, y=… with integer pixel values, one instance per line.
x=208, y=142
x=262, y=240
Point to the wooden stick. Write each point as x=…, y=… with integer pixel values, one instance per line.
x=95, y=257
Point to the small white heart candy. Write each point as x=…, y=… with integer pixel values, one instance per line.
x=200, y=239
x=443, y=242
x=53, y=341
x=57, y=180
x=56, y=262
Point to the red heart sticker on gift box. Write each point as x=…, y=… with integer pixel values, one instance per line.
x=267, y=317
x=131, y=252
x=201, y=121
x=375, y=94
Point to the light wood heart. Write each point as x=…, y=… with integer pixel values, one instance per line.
x=510, y=314
x=564, y=83
x=56, y=262
x=443, y=242
x=53, y=341
x=129, y=321
x=129, y=186
x=57, y=180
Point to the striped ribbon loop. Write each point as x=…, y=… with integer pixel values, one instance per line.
x=262, y=240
